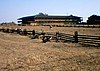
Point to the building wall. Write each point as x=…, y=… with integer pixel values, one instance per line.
x=52, y=23
x=46, y=24
x=34, y=24
x=51, y=20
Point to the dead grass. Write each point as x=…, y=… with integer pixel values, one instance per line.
x=68, y=30
x=20, y=53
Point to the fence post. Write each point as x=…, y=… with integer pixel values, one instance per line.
x=99, y=39
x=17, y=30
x=76, y=37
x=33, y=32
x=7, y=30
x=24, y=32
x=0, y=29
x=57, y=36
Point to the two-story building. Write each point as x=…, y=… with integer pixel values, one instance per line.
x=44, y=19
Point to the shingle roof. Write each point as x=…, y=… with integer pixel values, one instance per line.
x=48, y=16
x=32, y=17
x=94, y=17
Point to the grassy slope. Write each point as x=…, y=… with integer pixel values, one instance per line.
x=20, y=53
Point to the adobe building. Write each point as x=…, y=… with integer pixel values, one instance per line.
x=44, y=19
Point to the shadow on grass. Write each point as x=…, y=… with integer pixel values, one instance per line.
x=90, y=45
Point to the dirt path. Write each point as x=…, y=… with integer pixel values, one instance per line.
x=20, y=53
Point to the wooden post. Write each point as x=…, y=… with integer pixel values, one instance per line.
x=0, y=29
x=24, y=32
x=57, y=36
x=7, y=30
x=76, y=37
x=99, y=43
x=33, y=32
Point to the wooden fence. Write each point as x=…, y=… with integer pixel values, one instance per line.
x=86, y=40
x=57, y=36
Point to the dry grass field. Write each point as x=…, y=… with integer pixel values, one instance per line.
x=21, y=53
x=68, y=30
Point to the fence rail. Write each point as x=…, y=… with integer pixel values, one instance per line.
x=57, y=36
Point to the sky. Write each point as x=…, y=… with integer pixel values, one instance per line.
x=11, y=10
